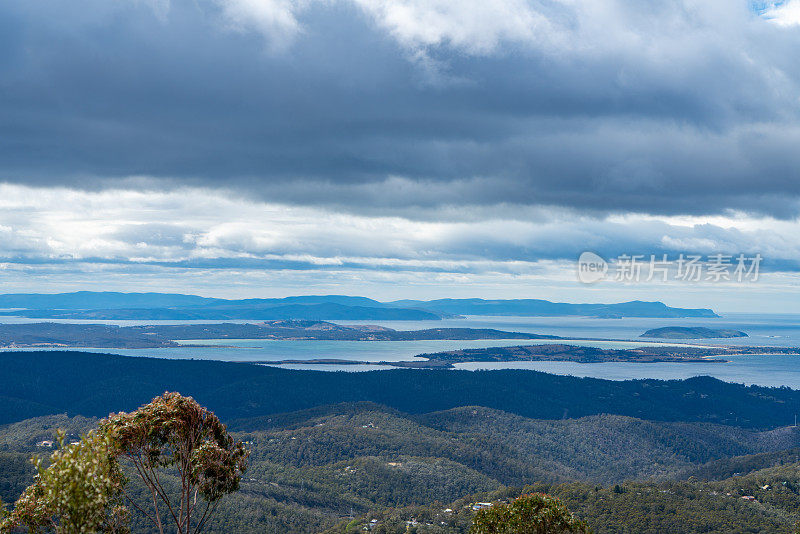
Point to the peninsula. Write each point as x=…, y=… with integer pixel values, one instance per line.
x=71, y=335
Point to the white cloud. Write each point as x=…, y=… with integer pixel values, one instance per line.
x=474, y=26
x=481, y=27
x=275, y=19
x=200, y=241
x=194, y=224
x=784, y=13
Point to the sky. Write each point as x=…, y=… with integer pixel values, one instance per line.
x=399, y=149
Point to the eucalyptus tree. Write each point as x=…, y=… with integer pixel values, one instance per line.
x=84, y=488
x=80, y=491
x=173, y=436
x=534, y=513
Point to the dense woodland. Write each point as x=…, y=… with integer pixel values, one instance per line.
x=51, y=382
x=733, y=505
x=346, y=464
x=338, y=450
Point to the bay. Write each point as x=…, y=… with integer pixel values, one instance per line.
x=763, y=329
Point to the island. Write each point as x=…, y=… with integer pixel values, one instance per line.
x=696, y=332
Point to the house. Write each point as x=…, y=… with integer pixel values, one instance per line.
x=481, y=505
x=45, y=443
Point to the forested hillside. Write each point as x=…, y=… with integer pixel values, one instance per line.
x=50, y=382
x=735, y=505
x=342, y=448
x=312, y=469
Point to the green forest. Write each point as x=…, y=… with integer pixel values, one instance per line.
x=337, y=468
x=79, y=383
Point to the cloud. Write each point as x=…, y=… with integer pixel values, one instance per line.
x=197, y=240
x=473, y=26
x=610, y=106
x=275, y=19
x=209, y=231
x=783, y=13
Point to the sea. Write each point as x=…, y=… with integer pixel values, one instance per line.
x=778, y=330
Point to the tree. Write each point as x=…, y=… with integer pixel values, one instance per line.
x=535, y=513
x=79, y=492
x=175, y=435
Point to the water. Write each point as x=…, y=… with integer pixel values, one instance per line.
x=762, y=370
x=764, y=330
x=265, y=350
x=778, y=330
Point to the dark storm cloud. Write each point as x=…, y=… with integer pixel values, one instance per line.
x=670, y=107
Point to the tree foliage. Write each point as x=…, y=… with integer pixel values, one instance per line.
x=79, y=492
x=173, y=434
x=535, y=513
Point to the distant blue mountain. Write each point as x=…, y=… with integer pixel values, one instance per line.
x=171, y=306
x=317, y=312
x=166, y=306
x=537, y=307
x=83, y=300
x=314, y=299
x=95, y=300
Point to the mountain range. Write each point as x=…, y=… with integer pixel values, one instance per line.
x=89, y=305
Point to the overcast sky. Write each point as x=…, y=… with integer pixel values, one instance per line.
x=398, y=148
